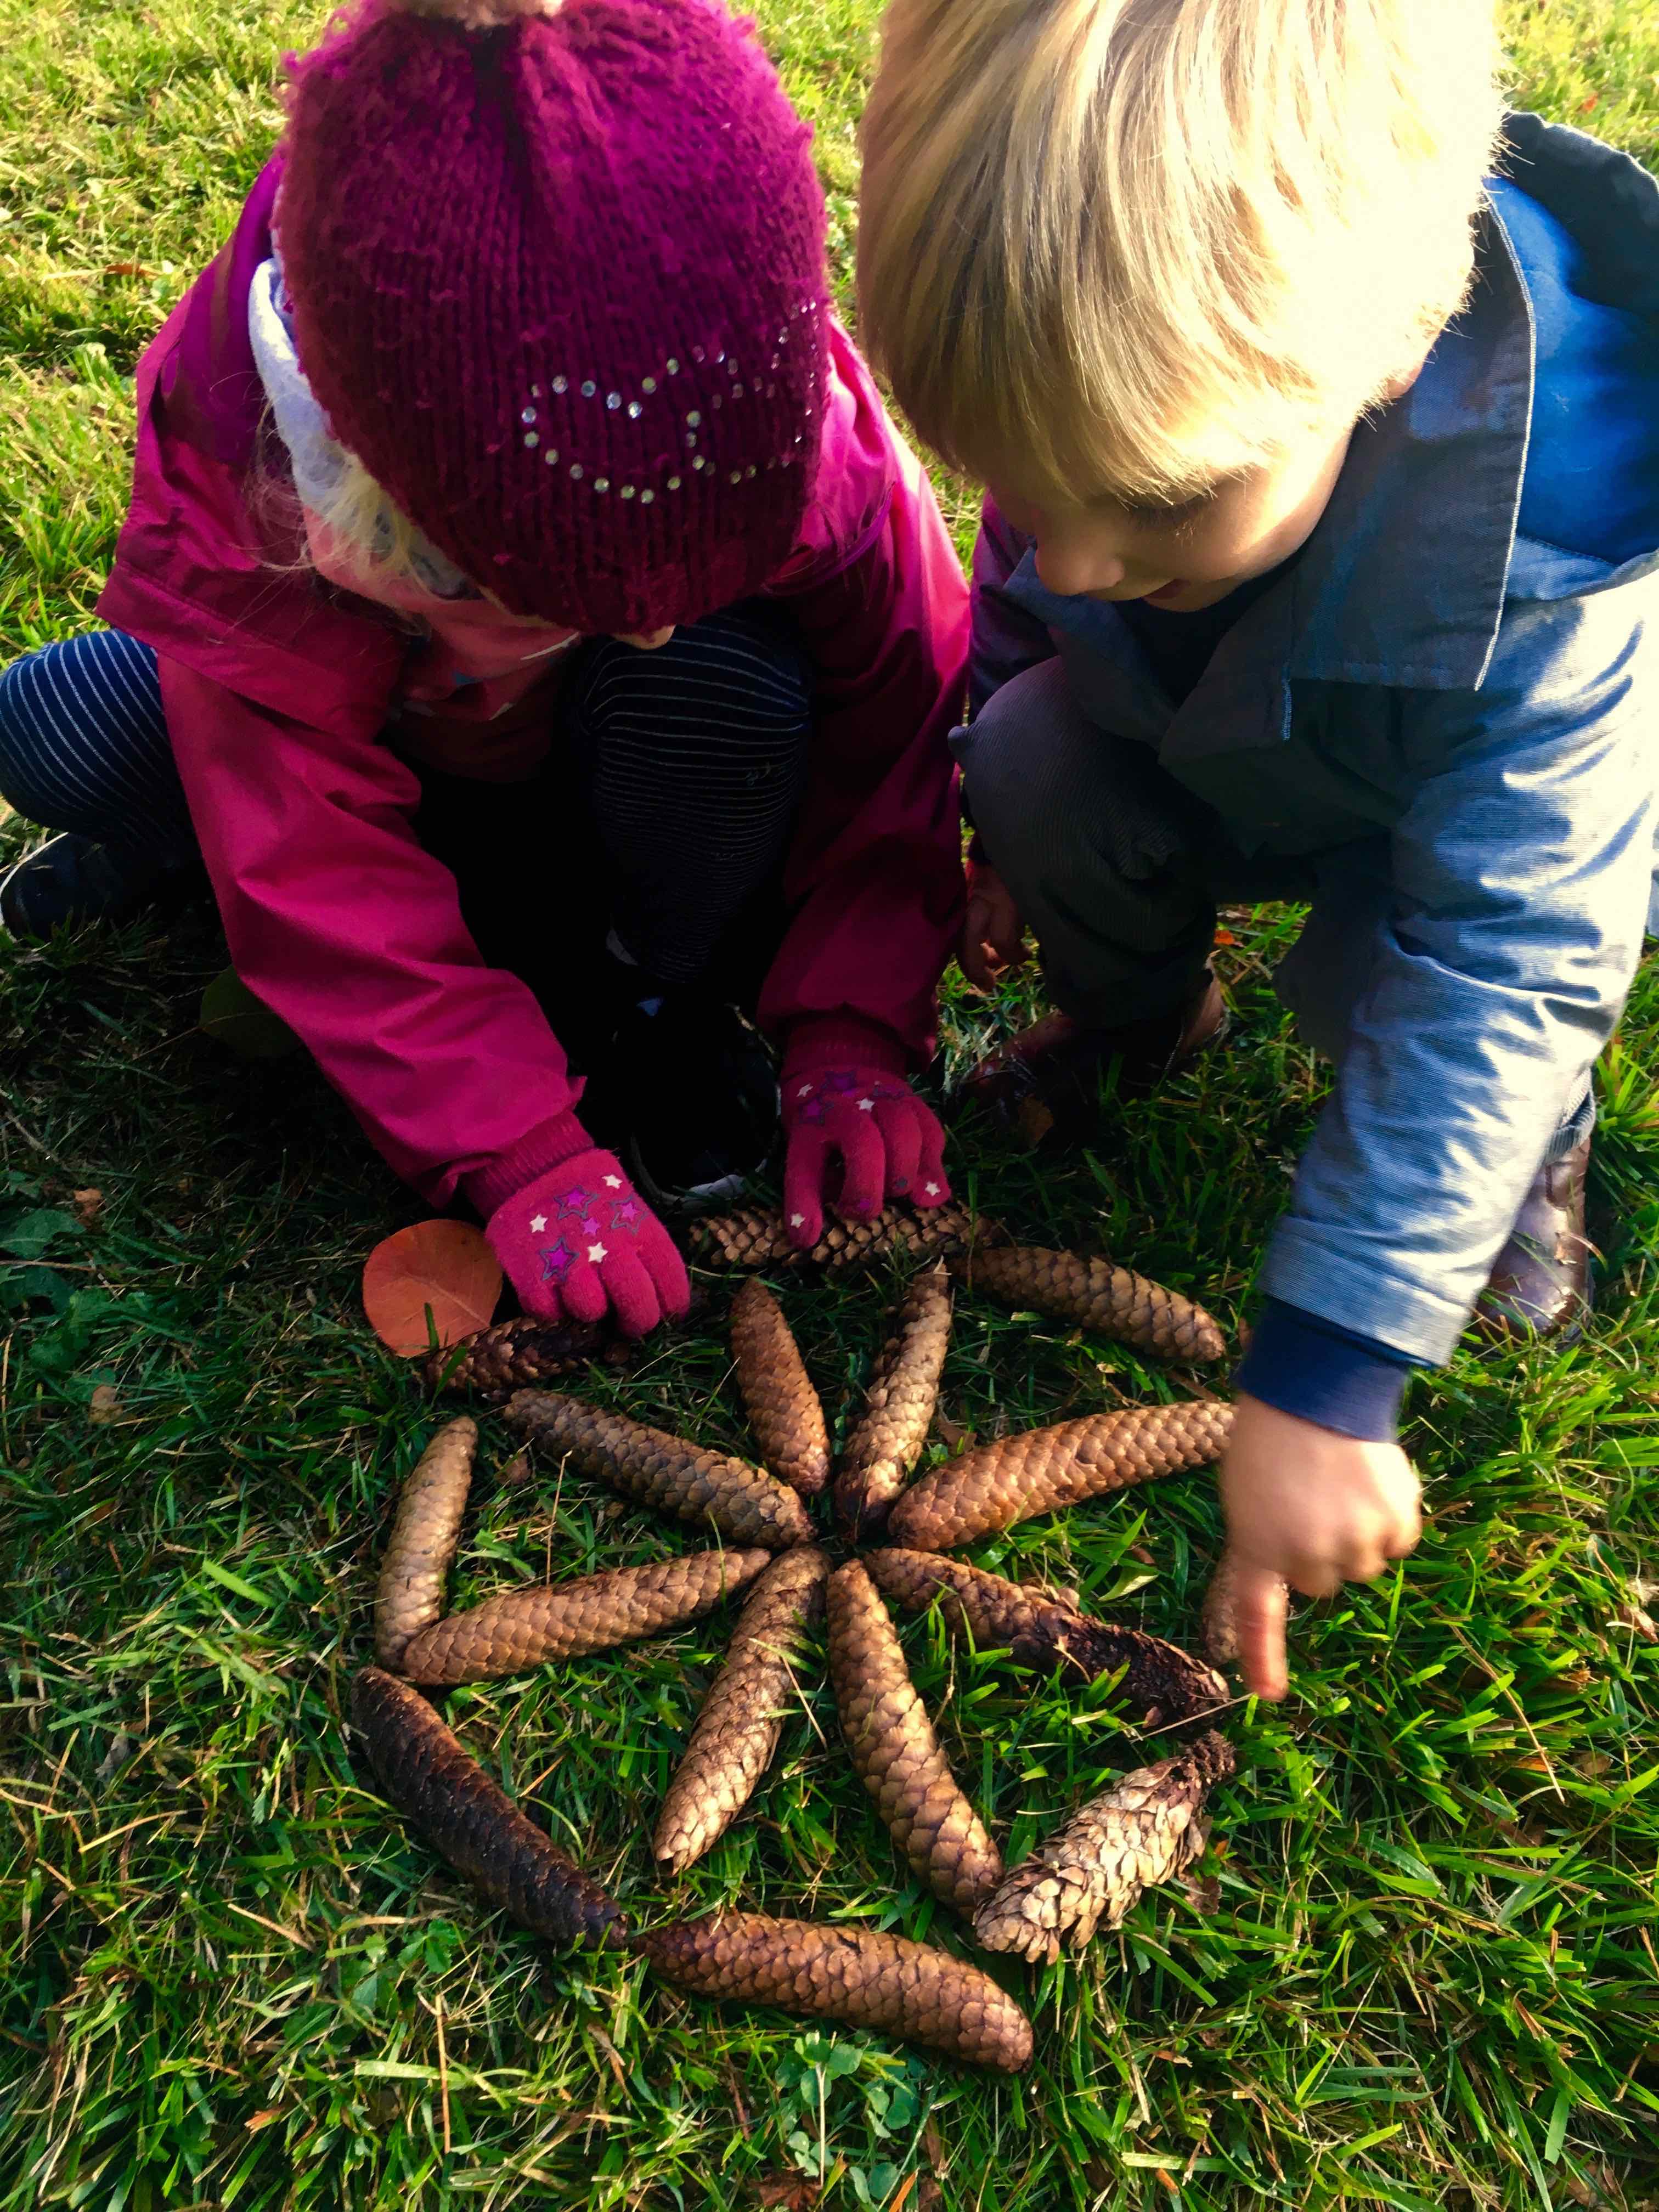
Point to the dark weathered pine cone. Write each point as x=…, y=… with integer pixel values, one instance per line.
x=446, y=1794
x=898, y=1988
x=742, y=1717
x=1112, y=1301
x=758, y=1237
x=1043, y=1469
x=1160, y=1680
x=895, y=1752
x=1146, y=1829
x=522, y=1627
x=777, y=1392
x=746, y=1506
x=899, y=1408
x=515, y=1354
x=411, y=1594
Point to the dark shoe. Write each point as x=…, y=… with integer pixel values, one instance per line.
x=1541, y=1281
x=72, y=879
x=688, y=1094
x=1046, y=1081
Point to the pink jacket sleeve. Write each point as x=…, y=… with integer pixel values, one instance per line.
x=875, y=877
x=349, y=930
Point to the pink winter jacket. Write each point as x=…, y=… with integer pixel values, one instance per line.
x=279, y=688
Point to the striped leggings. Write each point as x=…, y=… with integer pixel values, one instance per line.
x=685, y=767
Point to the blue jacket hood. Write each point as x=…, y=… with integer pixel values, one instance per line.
x=1583, y=222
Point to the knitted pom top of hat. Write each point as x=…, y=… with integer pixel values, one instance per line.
x=558, y=283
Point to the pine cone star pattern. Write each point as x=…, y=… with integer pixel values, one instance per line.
x=1147, y=1828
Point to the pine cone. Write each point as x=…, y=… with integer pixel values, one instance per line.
x=1043, y=1469
x=757, y=1236
x=1160, y=1682
x=515, y=1354
x=429, y=1777
x=518, y=1629
x=746, y=1506
x=1143, y=1831
x=895, y=1750
x=742, y=1717
x=867, y=1979
x=777, y=1392
x=899, y=1408
x=423, y=1542
x=1112, y=1301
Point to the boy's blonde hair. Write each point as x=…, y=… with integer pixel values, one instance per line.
x=1129, y=247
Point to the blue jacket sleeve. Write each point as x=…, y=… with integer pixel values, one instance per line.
x=1521, y=877
x=1006, y=639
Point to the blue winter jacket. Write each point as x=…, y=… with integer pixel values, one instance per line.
x=1450, y=707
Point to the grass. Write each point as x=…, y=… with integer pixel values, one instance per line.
x=1425, y=1974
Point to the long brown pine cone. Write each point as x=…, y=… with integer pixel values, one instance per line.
x=1143, y=1831
x=418, y=1553
x=515, y=1354
x=899, y=1408
x=522, y=1627
x=439, y=1786
x=705, y=1487
x=759, y=1235
x=895, y=1751
x=737, y=1731
x=1041, y=1470
x=868, y=1979
x=1112, y=1301
x=1162, y=1682
x=777, y=1392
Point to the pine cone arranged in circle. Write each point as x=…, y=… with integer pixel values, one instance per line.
x=1148, y=1828
x=898, y=1408
x=777, y=1392
x=1112, y=1301
x=759, y=1237
x=515, y=1354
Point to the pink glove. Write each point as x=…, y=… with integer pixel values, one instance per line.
x=844, y=1096
x=578, y=1239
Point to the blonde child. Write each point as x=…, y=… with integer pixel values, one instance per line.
x=1318, y=403
x=527, y=609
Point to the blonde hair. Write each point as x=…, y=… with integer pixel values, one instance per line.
x=1130, y=247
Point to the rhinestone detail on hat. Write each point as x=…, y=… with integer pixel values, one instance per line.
x=617, y=402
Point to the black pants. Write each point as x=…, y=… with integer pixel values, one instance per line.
x=658, y=823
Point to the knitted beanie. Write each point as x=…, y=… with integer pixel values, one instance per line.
x=558, y=282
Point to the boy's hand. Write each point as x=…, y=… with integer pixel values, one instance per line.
x=1311, y=1508
x=992, y=935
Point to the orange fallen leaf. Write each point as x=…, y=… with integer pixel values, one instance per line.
x=88, y=1205
x=104, y=1405
x=435, y=1275
x=1224, y=937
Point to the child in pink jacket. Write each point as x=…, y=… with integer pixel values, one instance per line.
x=527, y=610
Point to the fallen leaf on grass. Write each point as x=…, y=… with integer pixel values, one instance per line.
x=88, y=1205
x=104, y=1404
x=951, y=1434
x=1640, y=1623
x=263, y=2118
x=788, y=2192
x=443, y=1270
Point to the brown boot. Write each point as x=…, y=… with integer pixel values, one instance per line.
x=1046, y=1080
x=1541, y=1281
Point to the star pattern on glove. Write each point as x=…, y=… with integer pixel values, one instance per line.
x=838, y=1086
x=583, y=1221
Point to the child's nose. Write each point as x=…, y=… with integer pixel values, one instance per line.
x=1067, y=570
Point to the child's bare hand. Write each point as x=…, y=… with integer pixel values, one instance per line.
x=1311, y=1508
x=993, y=935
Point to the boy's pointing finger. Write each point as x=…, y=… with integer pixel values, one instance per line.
x=1261, y=1602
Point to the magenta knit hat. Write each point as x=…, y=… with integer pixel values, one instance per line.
x=558, y=282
